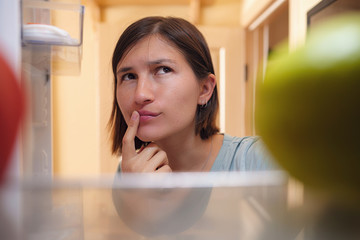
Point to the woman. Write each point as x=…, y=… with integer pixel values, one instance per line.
x=165, y=104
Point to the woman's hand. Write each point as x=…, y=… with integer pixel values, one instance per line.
x=149, y=159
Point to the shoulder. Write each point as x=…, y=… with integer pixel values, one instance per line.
x=241, y=145
x=243, y=154
x=240, y=141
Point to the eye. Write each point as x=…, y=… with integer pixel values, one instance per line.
x=128, y=76
x=163, y=70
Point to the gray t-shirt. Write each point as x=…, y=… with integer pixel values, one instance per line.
x=243, y=154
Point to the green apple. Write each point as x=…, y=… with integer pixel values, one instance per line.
x=308, y=108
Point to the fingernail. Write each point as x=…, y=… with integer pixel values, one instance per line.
x=134, y=115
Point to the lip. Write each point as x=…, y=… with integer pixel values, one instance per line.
x=147, y=115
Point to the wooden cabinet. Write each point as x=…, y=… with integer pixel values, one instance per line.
x=269, y=29
x=269, y=23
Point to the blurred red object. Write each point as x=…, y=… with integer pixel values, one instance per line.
x=11, y=112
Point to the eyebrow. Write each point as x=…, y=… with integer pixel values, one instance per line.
x=158, y=61
x=124, y=69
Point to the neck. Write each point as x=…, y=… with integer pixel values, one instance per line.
x=187, y=153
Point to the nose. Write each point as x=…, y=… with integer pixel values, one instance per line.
x=144, y=93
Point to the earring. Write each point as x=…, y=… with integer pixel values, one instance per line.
x=204, y=104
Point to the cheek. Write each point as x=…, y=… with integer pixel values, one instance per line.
x=185, y=100
x=191, y=94
x=123, y=102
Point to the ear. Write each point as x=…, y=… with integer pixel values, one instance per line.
x=206, y=89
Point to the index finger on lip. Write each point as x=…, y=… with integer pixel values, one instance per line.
x=128, y=145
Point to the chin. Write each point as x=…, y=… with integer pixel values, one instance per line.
x=147, y=137
x=152, y=135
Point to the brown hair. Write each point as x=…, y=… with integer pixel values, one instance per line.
x=191, y=43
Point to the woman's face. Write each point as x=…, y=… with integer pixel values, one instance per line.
x=155, y=79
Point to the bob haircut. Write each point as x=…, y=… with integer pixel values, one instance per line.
x=191, y=43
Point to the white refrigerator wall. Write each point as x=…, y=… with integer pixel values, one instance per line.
x=10, y=47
